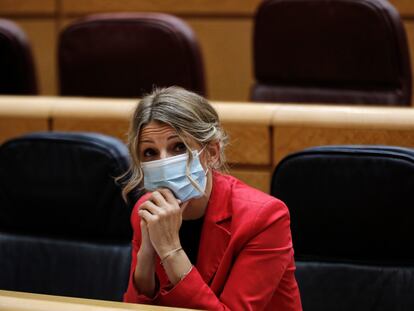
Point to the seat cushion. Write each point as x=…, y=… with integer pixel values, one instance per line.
x=327, y=286
x=64, y=267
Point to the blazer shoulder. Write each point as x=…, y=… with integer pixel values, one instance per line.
x=256, y=214
x=253, y=204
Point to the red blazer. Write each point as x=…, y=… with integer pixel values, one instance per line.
x=245, y=258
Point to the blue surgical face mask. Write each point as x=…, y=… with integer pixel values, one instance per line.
x=171, y=173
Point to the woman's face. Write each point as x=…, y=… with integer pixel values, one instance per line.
x=159, y=141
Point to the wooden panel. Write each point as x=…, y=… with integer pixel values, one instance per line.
x=27, y=7
x=409, y=28
x=335, y=116
x=245, y=113
x=92, y=108
x=404, y=7
x=227, y=51
x=292, y=139
x=248, y=144
x=42, y=35
x=189, y=7
x=11, y=127
x=106, y=116
x=109, y=127
x=258, y=178
x=21, y=115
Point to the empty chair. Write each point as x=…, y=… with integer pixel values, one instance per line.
x=64, y=228
x=127, y=55
x=336, y=51
x=17, y=71
x=352, y=221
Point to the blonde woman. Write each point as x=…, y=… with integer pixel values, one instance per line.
x=202, y=239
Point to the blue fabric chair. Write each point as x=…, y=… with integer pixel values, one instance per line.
x=64, y=228
x=352, y=221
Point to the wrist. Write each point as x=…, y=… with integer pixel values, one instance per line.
x=146, y=252
x=169, y=254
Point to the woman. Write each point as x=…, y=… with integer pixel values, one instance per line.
x=202, y=239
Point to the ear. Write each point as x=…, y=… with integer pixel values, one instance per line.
x=213, y=154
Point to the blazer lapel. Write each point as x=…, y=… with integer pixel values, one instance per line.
x=216, y=231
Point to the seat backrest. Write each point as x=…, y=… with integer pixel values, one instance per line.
x=128, y=54
x=17, y=71
x=64, y=228
x=336, y=51
x=352, y=221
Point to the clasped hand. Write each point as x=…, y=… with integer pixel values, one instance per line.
x=161, y=219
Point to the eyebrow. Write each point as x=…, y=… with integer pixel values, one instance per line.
x=151, y=141
x=173, y=136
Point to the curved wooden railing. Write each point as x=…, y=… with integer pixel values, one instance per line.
x=260, y=134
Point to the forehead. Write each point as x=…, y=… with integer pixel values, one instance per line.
x=154, y=129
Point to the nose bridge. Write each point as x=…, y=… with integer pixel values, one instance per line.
x=164, y=153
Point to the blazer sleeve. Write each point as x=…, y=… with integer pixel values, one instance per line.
x=255, y=274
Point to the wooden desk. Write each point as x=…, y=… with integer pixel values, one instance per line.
x=19, y=301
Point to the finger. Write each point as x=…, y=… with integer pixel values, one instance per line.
x=146, y=216
x=169, y=196
x=150, y=207
x=158, y=198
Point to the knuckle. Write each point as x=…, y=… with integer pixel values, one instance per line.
x=143, y=205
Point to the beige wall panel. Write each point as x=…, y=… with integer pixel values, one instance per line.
x=200, y=7
x=292, y=139
x=27, y=7
x=226, y=47
x=409, y=28
x=257, y=178
x=248, y=144
x=116, y=128
x=11, y=127
x=42, y=35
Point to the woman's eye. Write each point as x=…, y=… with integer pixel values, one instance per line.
x=180, y=147
x=149, y=152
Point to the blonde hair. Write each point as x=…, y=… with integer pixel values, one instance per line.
x=189, y=114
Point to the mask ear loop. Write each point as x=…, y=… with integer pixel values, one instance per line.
x=201, y=150
x=198, y=154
